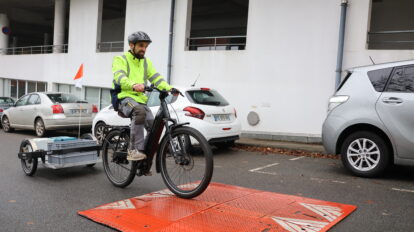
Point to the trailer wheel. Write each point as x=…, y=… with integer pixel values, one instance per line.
x=29, y=166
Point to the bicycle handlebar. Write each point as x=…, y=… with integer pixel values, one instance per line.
x=152, y=88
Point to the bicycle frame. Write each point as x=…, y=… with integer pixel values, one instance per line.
x=153, y=137
x=161, y=120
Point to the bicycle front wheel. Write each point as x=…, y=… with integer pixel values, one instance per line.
x=186, y=162
x=118, y=169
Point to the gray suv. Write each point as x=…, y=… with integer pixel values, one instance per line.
x=370, y=118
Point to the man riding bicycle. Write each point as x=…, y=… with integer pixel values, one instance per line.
x=131, y=72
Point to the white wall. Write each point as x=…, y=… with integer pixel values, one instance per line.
x=286, y=73
x=152, y=17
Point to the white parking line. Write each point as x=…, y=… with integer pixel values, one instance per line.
x=403, y=190
x=300, y=157
x=326, y=180
x=257, y=170
x=339, y=182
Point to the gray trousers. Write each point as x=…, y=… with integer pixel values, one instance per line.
x=141, y=118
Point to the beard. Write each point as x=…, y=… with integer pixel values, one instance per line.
x=140, y=55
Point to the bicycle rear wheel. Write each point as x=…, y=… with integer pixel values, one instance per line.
x=118, y=169
x=186, y=162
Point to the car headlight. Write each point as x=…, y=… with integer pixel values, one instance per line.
x=336, y=101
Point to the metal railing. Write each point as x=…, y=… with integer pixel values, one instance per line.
x=44, y=49
x=114, y=46
x=217, y=43
x=398, y=39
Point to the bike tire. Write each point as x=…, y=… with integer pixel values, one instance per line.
x=209, y=163
x=107, y=145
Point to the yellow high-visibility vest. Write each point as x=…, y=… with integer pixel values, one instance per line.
x=128, y=71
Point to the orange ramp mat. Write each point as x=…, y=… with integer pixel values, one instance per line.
x=220, y=208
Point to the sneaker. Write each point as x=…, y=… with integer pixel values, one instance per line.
x=149, y=173
x=135, y=155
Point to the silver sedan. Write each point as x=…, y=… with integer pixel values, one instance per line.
x=48, y=111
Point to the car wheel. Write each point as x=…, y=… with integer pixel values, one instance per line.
x=365, y=154
x=6, y=124
x=40, y=128
x=225, y=145
x=100, y=131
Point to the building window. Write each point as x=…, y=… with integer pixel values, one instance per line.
x=31, y=86
x=105, y=98
x=13, y=88
x=21, y=89
x=92, y=95
x=392, y=25
x=18, y=88
x=98, y=96
x=112, y=25
x=41, y=86
x=218, y=25
x=63, y=88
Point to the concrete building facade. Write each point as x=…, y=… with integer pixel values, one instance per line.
x=285, y=71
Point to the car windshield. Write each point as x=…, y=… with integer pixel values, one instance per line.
x=207, y=97
x=64, y=98
x=6, y=100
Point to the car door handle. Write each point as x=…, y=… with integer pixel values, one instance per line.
x=392, y=100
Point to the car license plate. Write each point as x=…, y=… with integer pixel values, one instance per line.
x=221, y=117
x=77, y=111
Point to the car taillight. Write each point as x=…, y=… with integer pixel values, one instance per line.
x=235, y=113
x=336, y=101
x=194, y=112
x=205, y=89
x=57, y=109
x=94, y=109
x=1, y=110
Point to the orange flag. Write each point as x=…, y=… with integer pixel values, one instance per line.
x=78, y=77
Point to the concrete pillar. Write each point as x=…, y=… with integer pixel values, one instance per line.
x=1, y=87
x=99, y=29
x=59, y=27
x=52, y=87
x=4, y=36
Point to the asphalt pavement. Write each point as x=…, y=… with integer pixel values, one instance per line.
x=49, y=201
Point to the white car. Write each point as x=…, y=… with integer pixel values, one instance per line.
x=205, y=109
